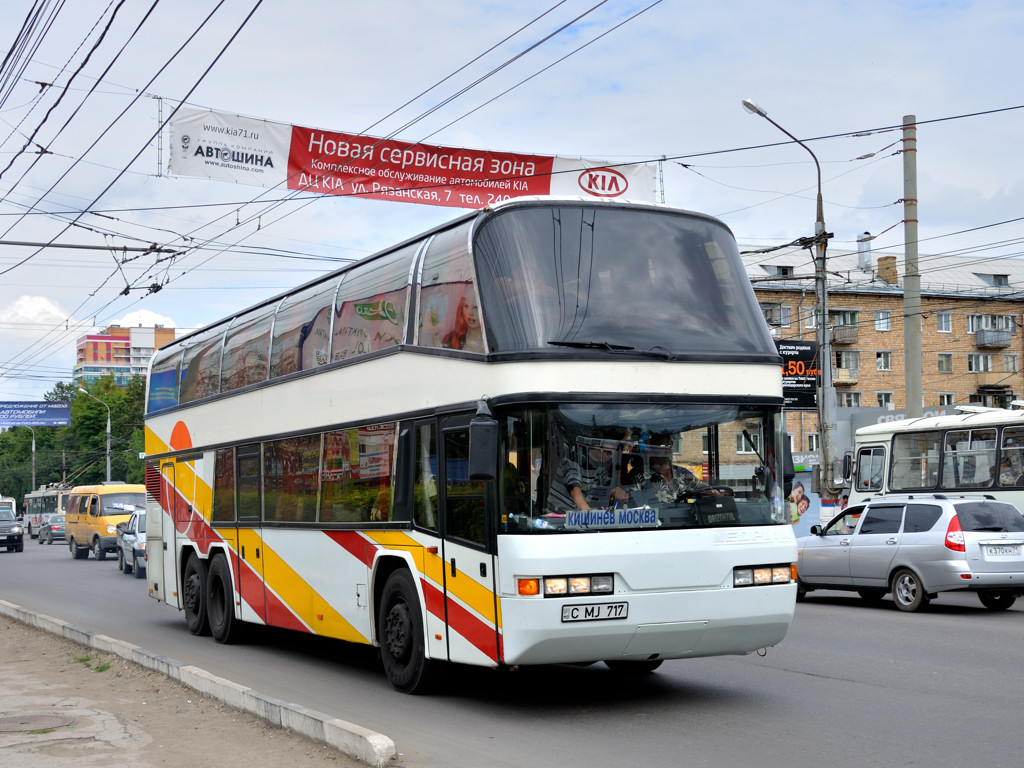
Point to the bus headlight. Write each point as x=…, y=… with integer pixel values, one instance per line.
x=561, y=586
x=756, y=576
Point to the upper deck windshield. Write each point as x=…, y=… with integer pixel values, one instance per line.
x=661, y=282
x=592, y=467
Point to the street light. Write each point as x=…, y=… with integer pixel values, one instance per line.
x=827, y=392
x=86, y=392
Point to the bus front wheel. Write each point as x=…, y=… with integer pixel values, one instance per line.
x=194, y=597
x=400, y=631
x=220, y=602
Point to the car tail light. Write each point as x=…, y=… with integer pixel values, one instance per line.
x=955, y=536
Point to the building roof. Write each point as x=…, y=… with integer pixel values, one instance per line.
x=940, y=275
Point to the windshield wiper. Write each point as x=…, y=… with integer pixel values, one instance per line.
x=593, y=345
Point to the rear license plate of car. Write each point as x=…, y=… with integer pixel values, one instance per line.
x=1002, y=550
x=595, y=611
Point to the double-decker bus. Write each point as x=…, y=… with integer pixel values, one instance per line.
x=978, y=450
x=391, y=454
x=41, y=502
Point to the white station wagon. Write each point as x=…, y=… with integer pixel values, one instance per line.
x=916, y=546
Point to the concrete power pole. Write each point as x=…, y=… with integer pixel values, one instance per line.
x=911, y=277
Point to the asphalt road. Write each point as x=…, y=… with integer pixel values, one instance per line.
x=853, y=685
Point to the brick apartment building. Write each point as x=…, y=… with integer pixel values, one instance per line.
x=971, y=339
x=118, y=352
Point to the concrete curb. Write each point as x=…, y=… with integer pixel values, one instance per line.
x=372, y=748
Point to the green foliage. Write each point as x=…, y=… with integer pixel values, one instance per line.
x=76, y=454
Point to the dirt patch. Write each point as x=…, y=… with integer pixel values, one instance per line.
x=62, y=704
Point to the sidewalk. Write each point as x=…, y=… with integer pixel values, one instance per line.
x=71, y=698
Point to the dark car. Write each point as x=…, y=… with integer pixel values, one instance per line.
x=51, y=529
x=11, y=532
x=131, y=545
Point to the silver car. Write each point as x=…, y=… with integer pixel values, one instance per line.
x=916, y=546
x=131, y=545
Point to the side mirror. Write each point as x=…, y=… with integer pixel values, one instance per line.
x=483, y=444
x=847, y=467
x=816, y=530
x=788, y=470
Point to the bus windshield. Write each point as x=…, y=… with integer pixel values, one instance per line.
x=612, y=279
x=588, y=467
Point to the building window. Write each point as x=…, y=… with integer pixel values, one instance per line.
x=742, y=446
x=849, y=399
x=883, y=320
x=846, y=317
x=991, y=323
x=1010, y=363
x=776, y=314
x=812, y=443
x=884, y=399
x=848, y=360
x=946, y=398
x=945, y=362
x=979, y=363
x=811, y=319
x=883, y=361
x=944, y=322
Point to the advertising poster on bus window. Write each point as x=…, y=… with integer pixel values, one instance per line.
x=244, y=150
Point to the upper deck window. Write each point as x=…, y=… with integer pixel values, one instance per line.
x=615, y=278
x=449, y=314
x=302, y=330
x=372, y=303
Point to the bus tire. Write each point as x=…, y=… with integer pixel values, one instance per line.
x=220, y=602
x=193, y=589
x=400, y=631
x=77, y=552
x=97, y=549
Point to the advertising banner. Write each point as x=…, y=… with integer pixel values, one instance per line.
x=800, y=374
x=245, y=150
x=46, y=414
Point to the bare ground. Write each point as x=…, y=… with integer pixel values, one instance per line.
x=64, y=705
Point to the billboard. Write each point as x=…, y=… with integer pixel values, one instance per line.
x=799, y=374
x=45, y=414
x=245, y=150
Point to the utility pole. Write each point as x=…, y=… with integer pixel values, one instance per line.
x=911, y=276
x=829, y=481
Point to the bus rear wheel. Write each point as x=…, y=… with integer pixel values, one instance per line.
x=400, y=631
x=220, y=602
x=194, y=597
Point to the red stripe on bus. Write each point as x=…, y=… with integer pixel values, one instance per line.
x=353, y=543
x=479, y=633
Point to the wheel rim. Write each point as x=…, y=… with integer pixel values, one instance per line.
x=906, y=589
x=192, y=594
x=398, y=632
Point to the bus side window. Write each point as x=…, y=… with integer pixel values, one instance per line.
x=425, y=477
x=870, y=469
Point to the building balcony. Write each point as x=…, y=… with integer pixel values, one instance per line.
x=992, y=339
x=844, y=334
x=994, y=380
x=844, y=376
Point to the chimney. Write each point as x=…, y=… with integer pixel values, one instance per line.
x=864, y=252
x=887, y=269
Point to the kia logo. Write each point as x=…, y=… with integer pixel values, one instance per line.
x=603, y=182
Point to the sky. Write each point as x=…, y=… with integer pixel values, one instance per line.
x=83, y=157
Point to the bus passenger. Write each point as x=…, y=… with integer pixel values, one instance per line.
x=590, y=485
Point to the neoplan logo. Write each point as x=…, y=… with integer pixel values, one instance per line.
x=603, y=182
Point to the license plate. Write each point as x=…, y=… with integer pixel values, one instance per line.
x=1003, y=550
x=595, y=611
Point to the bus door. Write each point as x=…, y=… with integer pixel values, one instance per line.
x=249, y=567
x=469, y=563
x=161, y=536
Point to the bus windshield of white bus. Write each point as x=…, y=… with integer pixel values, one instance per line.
x=615, y=280
x=594, y=467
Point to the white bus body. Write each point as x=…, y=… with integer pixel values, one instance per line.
x=402, y=484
